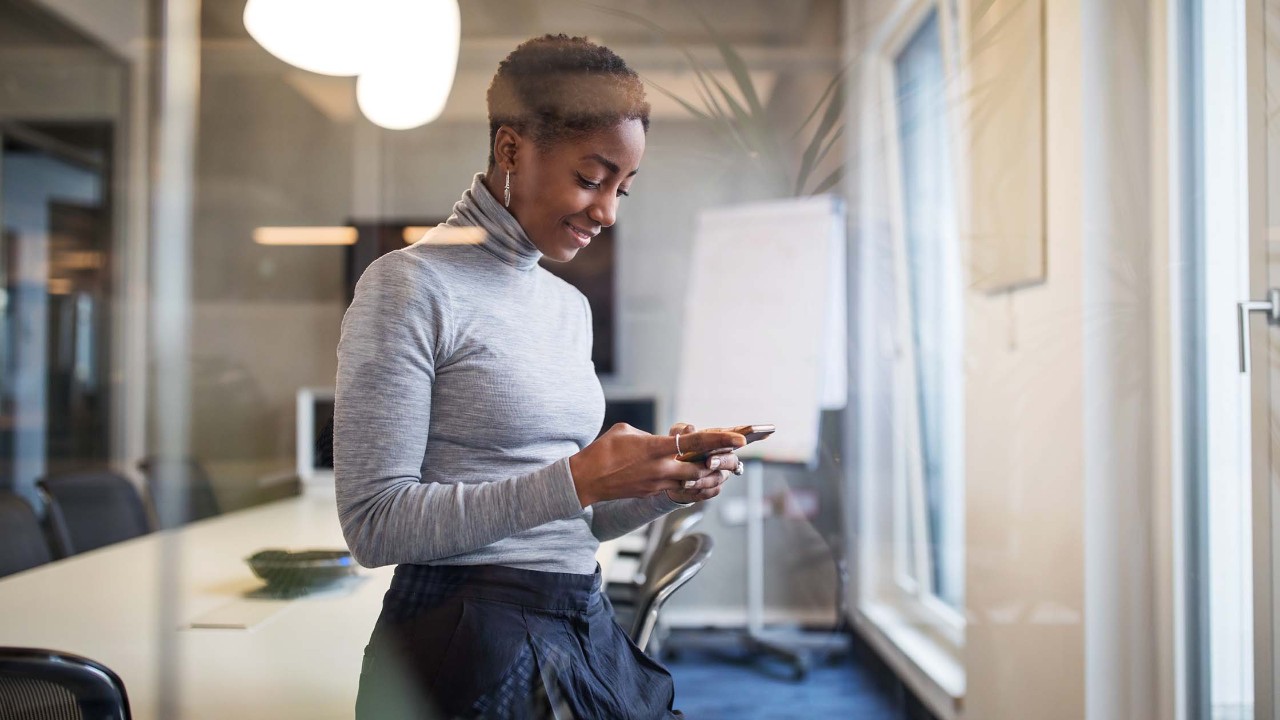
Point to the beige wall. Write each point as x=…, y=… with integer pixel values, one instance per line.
x=1025, y=446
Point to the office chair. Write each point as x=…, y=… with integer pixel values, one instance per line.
x=51, y=685
x=681, y=520
x=90, y=509
x=22, y=542
x=674, y=566
x=661, y=533
x=165, y=474
x=658, y=534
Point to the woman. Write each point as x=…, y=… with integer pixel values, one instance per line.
x=466, y=407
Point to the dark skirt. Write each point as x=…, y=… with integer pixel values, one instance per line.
x=497, y=642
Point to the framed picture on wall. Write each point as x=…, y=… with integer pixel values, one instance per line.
x=591, y=272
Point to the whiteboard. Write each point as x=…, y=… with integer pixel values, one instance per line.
x=764, y=338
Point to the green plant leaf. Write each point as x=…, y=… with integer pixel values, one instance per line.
x=829, y=181
x=831, y=142
x=811, y=164
x=753, y=129
x=740, y=117
x=712, y=116
x=831, y=86
x=753, y=118
x=737, y=68
x=700, y=114
x=809, y=157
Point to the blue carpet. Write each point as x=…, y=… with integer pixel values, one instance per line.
x=733, y=685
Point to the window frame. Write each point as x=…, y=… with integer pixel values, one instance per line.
x=912, y=597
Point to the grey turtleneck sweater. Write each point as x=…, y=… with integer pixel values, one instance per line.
x=464, y=384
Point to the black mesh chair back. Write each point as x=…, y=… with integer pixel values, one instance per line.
x=187, y=480
x=88, y=510
x=674, y=566
x=22, y=541
x=49, y=685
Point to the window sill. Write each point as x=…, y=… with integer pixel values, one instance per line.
x=924, y=665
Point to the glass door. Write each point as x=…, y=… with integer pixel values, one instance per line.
x=1259, y=318
x=1262, y=18
x=1228, y=54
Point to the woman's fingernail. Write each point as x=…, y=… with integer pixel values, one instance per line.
x=688, y=484
x=715, y=463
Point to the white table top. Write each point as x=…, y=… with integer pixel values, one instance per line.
x=113, y=606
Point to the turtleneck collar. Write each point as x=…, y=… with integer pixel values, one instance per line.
x=504, y=238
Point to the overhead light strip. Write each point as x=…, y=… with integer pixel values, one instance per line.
x=336, y=235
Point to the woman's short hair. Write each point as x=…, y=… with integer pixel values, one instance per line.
x=555, y=87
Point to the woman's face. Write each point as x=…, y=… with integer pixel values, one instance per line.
x=564, y=194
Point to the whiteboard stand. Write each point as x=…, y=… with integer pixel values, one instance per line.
x=793, y=646
x=782, y=271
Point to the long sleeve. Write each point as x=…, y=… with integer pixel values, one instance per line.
x=615, y=518
x=391, y=338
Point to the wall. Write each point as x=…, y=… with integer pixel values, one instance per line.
x=1065, y=445
x=1025, y=445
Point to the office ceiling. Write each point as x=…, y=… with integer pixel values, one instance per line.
x=765, y=22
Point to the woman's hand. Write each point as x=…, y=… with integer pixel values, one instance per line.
x=708, y=486
x=626, y=462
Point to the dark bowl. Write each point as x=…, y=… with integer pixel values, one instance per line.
x=301, y=567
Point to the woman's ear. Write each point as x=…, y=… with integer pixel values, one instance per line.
x=506, y=148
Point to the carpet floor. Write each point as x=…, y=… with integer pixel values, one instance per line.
x=730, y=684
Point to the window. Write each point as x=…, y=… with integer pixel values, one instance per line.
x=928, y=384
x=909, y=354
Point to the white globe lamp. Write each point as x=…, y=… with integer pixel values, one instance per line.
x=411, y=72
x=329, y=37
x=405, y=52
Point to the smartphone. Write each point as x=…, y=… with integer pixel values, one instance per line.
x=751, y=432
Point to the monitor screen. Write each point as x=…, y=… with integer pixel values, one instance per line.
x=322, y=450
x=640, y=413
x=315, y=434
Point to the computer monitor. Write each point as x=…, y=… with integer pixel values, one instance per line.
x=638, y=412
x=315, y=412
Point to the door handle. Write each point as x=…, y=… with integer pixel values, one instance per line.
x=1271, y=306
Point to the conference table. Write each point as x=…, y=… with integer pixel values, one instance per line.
x=168, y=612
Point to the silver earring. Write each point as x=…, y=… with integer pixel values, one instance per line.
x=506, y=192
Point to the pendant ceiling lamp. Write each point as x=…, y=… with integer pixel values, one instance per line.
x=410, y=75
x=322, y=36
x=404, y=52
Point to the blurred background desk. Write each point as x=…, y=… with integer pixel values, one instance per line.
x=116, y=606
